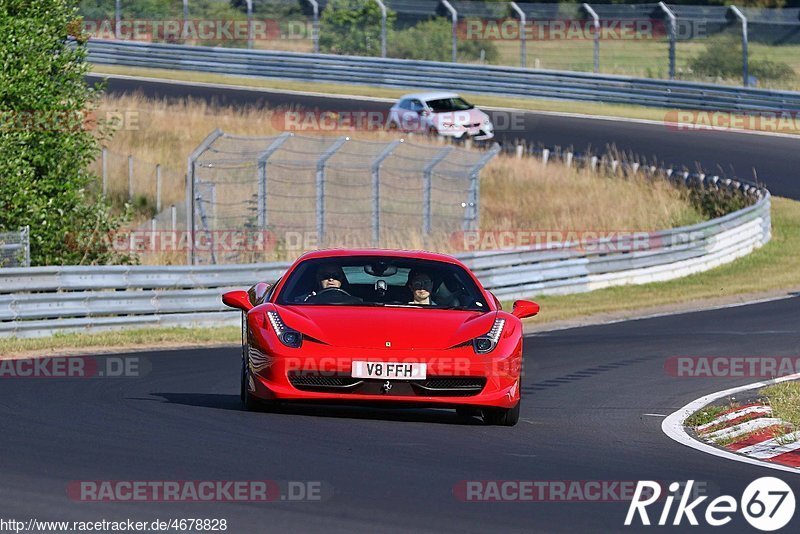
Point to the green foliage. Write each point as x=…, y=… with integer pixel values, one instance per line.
x=722, y=58
x=713, y=203
x=352, y=27
x=46, y=141
x=433, y=40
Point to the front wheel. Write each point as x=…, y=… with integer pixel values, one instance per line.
x=502, y=416
x=249, y=402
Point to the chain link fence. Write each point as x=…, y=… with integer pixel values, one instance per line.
x=15, y=248
x=300, y=192
x=727, y=44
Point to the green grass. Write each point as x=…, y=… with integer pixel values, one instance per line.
x=785, y=401
x=704, y=416
x=772, y=267
x=133, y=339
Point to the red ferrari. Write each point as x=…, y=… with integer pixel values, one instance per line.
x=381, y=326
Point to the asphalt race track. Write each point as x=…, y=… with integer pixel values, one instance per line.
x=585, y=395
x=774, y=159
x=593, y=403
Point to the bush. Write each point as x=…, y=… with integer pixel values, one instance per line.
x=352, y=27
x=722, y=58
x=433, y=40
x=46, y=141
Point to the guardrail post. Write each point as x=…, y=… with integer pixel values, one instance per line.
x=315, y=25
x=174, y=217
x=104, y=169
x=376, y=190
x=545, y=156
x=130, y=177
x=262, y=178
x=523, y=59
x=472, y=213
x=743, y=20
x=185, y=18
x=383, y=27
x=153, y=230
x=118, y=19
x=158, y=188
x=427, y=182
x=190, y=183
x=592, y=13
x=672, y=35
x=26, y=246
x=454, y=16
x=321, y=187
x=249, y=23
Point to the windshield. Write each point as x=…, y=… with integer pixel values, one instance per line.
x=382, y=281
x=449, y=104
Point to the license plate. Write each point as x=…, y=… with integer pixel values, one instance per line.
x=389, y=370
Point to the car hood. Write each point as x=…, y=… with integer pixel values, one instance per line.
x=375, y=327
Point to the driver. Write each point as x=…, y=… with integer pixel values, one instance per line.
x=329, y=276
x=421, y=285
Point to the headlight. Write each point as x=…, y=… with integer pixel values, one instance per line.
x=290, y=338
x=486, y=343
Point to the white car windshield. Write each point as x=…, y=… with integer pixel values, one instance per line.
x=443, y=105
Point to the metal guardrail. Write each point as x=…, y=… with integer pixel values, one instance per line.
x=478, y=79
x=42, y=300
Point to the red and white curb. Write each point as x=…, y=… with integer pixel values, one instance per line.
x=753, y=423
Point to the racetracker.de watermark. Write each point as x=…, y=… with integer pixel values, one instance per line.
x=585, y=240
x=731, y=366
x=716, y=121
x=76, y=367
x=374, y=120
x=565, y=29
x=68, y=121
x=199, y=490
x=208, y=29
x=553, y=490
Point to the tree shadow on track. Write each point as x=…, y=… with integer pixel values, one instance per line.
x=401, y=413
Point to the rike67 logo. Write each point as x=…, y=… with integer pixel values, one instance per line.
x=767, y=504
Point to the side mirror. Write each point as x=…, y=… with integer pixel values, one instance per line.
x=237, y=299
x=257, y=293
x=524, y=308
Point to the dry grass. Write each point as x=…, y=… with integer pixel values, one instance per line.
x=516, y=194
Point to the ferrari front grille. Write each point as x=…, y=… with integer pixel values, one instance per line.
x=313, y=381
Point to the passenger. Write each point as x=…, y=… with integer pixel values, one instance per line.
x=421, y=285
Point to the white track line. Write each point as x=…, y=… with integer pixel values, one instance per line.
x=735, y=415
x=673, y=427
x=773, y=447
x=743, y=428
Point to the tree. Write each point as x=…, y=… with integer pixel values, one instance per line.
x=48, y=137
x=352, y=27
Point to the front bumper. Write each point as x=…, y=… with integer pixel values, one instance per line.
x=456, y=377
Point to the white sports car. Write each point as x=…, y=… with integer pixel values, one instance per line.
x=440, y=114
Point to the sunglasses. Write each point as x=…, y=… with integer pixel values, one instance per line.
x=422, y=284
x=330, y=276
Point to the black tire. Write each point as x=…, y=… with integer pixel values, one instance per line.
x=250, y=403
x=501, y=416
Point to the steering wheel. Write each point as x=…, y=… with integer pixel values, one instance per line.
x=333, y=295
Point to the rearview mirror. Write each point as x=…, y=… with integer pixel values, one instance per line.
x=238, y=299
x=257, y=293
x=524, y=308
